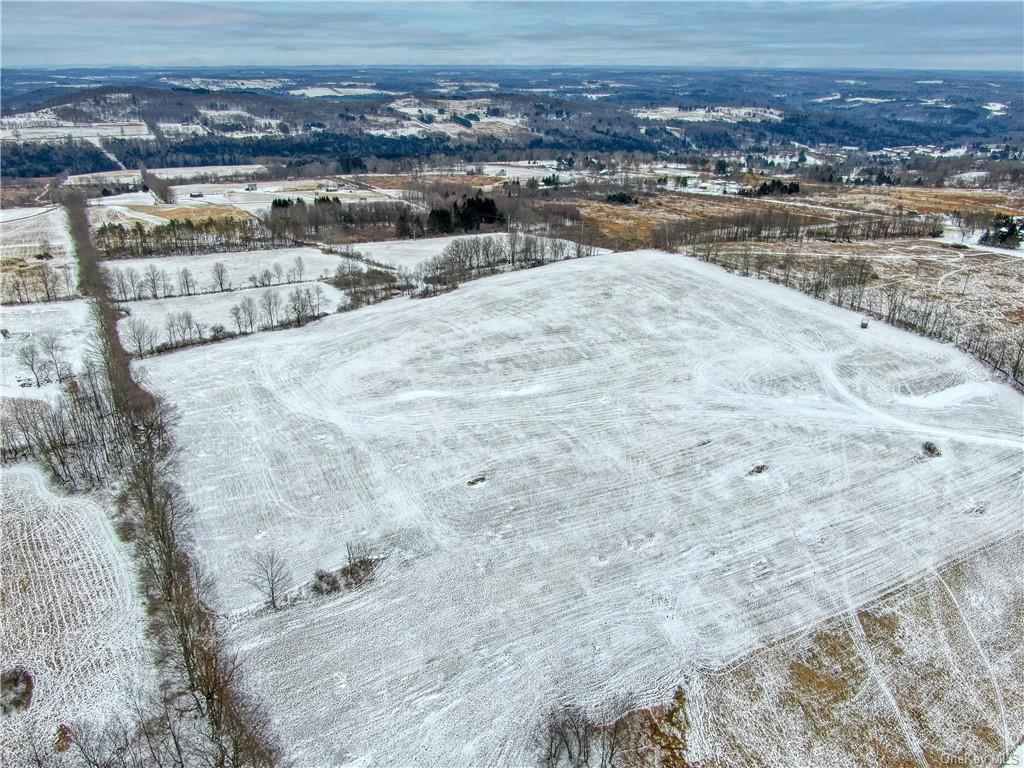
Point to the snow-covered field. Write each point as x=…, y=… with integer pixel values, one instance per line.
x=260, y=199
x=27, y=232
x=126, y=198
x=25, y=323
x=221, y=171
x=61, y=129
x=239, y=265
x=214, y=308
x=680, y=465
x=70, y=611
x=134, y=177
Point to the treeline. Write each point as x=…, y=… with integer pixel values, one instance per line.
x=36, y=283
x=32, y=159
x=773, y=187
x=293, y=220
x=1004, y=231
x=782, y=225
x=468, y=258
x=851, y=282
x=330, y=217
x=185, y=236
x=290, y=150
x=130, y=284
x=266, y=312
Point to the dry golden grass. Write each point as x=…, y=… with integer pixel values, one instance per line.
x=978, y=286
x=193, y=213
x=924, y=200
x=914, y=677
x=411, y=182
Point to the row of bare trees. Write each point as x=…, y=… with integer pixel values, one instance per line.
x=467, y=258
x=186, y=236
x=770, y=224
x=251, y=314
x=131, y=284
x=37, y=283
x=43, y=358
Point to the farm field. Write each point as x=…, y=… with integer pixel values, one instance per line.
x=239, y=266
x=212, y=309
x=584, y=479
x=71, y=614
x=259, y=201
x=26, y=233
x=26, y=323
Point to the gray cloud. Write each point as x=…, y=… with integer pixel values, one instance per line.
x=921, y=34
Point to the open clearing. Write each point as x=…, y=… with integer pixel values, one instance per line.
x=69, y=320
x=259, y=200
x=28, y=233
x=680, y=466
x=70, y=612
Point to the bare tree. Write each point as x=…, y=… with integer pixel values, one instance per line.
x=139, y=335
x=154, y=279
x=186, y=282
x=53, y=349
x=220, y=276
x=270, y=306
x=30, y=356
x=269, y=573
x=236, y=315
x=250, y=313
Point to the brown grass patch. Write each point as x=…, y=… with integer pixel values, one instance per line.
x=193, y=213
x=925, y=200
x=828, y=696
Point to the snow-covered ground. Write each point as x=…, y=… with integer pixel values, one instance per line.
x=71, y=614
x=680, y=465
x=1016, y=758
x=27, y=232
x=126, y=198
x=213, y=308
x=259, y=200
x=61, y=129
x=134, y=177
x=104, y=177
x=239, y=265
x=221, y=171
x=25, y=323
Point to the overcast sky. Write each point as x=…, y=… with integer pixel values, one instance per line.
x=922, y=34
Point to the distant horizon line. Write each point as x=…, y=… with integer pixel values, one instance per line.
x=611, y=68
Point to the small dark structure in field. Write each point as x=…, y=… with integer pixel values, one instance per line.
x=15, y=690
